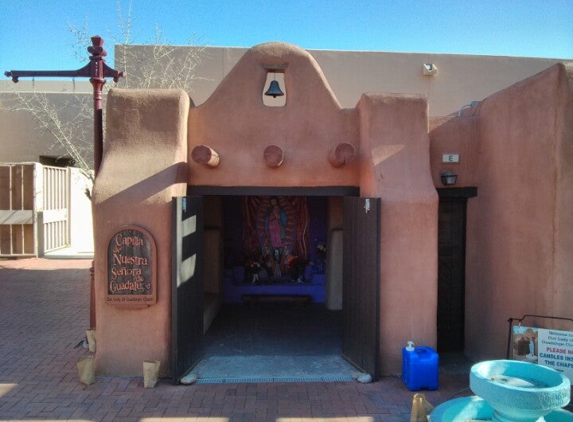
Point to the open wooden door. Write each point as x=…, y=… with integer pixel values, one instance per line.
x=361, y=279
x=187, y=285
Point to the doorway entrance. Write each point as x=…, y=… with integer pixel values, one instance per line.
x=274, y=342
x=309, y=278
x=451, y=267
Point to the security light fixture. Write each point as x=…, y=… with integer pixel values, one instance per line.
x=429, y=69
x=448, y=178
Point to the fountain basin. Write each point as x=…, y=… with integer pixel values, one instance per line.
x=470, y=409
x=462, y=409
x=519, y=391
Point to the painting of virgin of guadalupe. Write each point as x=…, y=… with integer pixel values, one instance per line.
x=276, y=234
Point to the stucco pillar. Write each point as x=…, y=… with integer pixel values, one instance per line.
x=395, y=166
x=564, y=217
x=144, y=166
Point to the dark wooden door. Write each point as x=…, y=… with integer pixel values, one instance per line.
x=187, y=285
x=361, y=279
x=451, y=274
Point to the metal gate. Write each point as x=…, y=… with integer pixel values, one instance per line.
x=54, y=221
x=361, y=275
x=18, y=230
x=34, y=209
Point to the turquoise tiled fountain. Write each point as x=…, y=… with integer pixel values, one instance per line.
x=510, y=391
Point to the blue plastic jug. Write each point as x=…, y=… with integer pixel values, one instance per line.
x=419, y=367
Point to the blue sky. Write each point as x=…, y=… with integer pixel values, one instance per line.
x=35, y=34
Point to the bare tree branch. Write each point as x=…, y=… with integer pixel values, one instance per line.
x=153, y=65
x=70, y=132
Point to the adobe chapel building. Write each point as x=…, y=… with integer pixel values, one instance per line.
x=199, y=204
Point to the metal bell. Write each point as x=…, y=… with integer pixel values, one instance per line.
x=274, y=90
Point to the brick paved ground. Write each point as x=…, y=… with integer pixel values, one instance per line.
x=44, y=313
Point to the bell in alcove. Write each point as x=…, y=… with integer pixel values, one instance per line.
x=274, y=90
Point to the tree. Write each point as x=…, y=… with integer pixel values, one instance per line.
x=68, y=116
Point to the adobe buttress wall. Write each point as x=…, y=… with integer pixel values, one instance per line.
x=564, y=218
x=519, y=226
x=143, y=167
x=395, y=166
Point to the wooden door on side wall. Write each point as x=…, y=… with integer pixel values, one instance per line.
x=187, y=345
x=361, y=279
x=451, y=274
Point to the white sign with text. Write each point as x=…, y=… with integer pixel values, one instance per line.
x=555, y=349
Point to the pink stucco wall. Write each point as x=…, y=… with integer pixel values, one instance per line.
x=142, y=165
x=237, y=125
x=517, y=148
x=390, y=133
x=395, y=166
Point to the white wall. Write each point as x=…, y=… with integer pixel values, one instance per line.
x=81, y=231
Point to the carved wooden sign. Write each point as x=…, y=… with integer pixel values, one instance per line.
x=131, y=268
